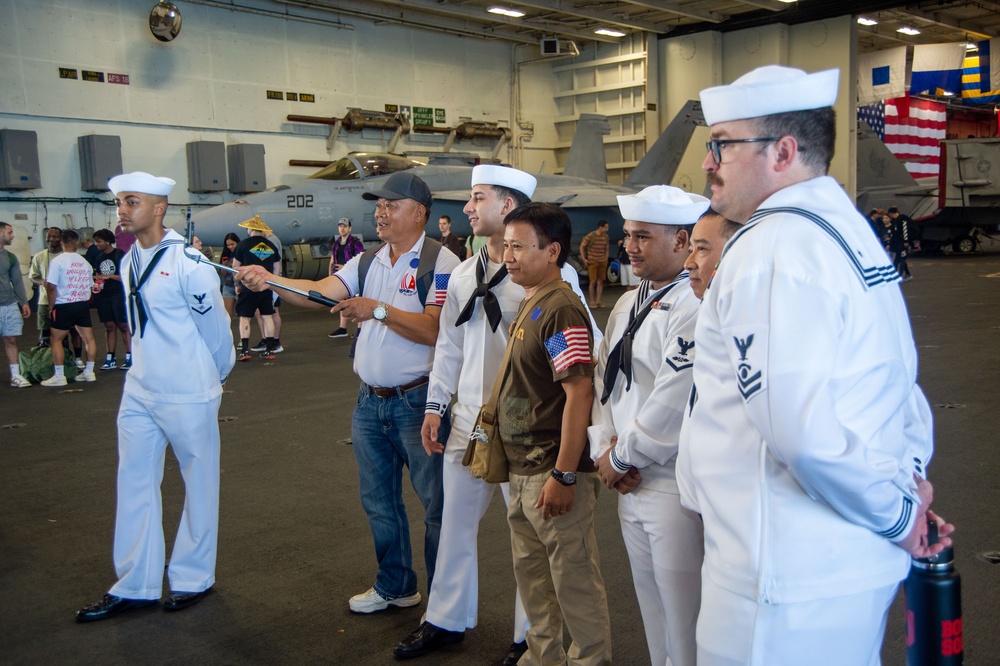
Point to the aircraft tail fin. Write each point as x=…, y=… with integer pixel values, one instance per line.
x=586, y=155
x=660, y=163
x=876, y=163
x=882, y=179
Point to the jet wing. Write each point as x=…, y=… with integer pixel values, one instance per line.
x=573, y=197
x=451, y=195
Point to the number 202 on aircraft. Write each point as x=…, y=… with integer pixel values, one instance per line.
x=300, y=201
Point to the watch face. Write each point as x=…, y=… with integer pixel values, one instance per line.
x=569, y=478
x=379, y=312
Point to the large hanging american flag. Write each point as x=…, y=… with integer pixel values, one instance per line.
x=912, y=129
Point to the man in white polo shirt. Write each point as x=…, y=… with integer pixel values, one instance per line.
x=641, y=384
x=393, y=359
x=806, y=446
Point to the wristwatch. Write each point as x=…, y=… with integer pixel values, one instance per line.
x=565, y=478
x=381, y=312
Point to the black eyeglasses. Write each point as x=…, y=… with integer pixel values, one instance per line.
x=715, y=146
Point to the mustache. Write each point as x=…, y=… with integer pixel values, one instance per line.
x=713, y=178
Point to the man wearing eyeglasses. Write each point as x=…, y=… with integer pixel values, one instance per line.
x=807, y=439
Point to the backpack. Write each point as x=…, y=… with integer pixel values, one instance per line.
x=36, y=364
x=425, y=267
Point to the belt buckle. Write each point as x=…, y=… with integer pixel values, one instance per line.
x=384, y=391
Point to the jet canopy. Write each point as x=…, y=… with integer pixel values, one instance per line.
x=358, y=166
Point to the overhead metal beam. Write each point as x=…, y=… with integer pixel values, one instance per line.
x=772, y=5
x=450, y=18
x=682, y=10
x=939, y=18
x=871, y=32
x=564, y=7
x=479, y=15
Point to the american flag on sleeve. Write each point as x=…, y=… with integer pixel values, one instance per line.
x=568, y=346
x=440, y=288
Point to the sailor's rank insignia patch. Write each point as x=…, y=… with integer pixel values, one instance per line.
x=201, y=308
x=748, y=377
x=679, y=356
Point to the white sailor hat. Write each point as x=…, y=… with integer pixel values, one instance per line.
x=663, y=204
x=494, y=174
x=141, y=182
x=769, y=90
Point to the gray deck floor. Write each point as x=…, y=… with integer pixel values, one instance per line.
x=294, y=544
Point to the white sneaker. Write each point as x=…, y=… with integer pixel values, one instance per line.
x=17, y=381
x=80, y=365
x=372, y=602
x=86, y=377
x=55, y=380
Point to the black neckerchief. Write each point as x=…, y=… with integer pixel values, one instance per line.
x=484, y=289
x=137, y=309
x=620, y=357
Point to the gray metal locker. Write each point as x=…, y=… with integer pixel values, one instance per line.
x=19, y=168
x=206, y=166
x=246, y=168
x=100, y=159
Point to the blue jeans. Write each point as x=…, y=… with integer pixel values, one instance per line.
x=386, y=434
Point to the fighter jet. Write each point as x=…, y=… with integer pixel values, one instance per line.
x=307, y=213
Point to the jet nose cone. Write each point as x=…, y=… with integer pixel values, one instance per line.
x=212, y=224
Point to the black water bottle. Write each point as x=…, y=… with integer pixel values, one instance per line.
x=934, y=609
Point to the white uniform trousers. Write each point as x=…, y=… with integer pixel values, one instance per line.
x=144, y=429
x=665, y=548
x=736, y=631
x=454, y=596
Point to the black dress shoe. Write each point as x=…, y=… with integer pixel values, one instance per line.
x=181, y=600
x=110, y=606
x=514, y=653
x=426, y=638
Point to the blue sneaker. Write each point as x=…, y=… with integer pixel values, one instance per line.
x=127, y=364
x=109, y=364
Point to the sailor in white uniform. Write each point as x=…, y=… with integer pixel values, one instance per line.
x=182, y=352
x=480, y=306
x=806, y=444
x=642, y=384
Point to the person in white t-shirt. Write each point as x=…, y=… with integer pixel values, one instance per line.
x=68, y=283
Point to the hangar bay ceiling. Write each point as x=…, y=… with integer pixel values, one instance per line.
x=578, y=20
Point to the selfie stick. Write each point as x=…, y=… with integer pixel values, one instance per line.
x=312, y=295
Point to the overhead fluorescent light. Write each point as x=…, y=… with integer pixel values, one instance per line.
x=971, y=46
x=906, y=30
x=788, y=2
x=867, y=21
x=609, y=33
x=505, y=11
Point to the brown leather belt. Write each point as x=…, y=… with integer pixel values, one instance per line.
x=397, y=391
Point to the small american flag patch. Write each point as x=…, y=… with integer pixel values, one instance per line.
x=440, y=288
x=569, y=346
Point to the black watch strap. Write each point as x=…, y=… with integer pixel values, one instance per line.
x=565, y=478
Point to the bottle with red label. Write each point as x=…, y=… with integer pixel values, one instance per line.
x=934, y=609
